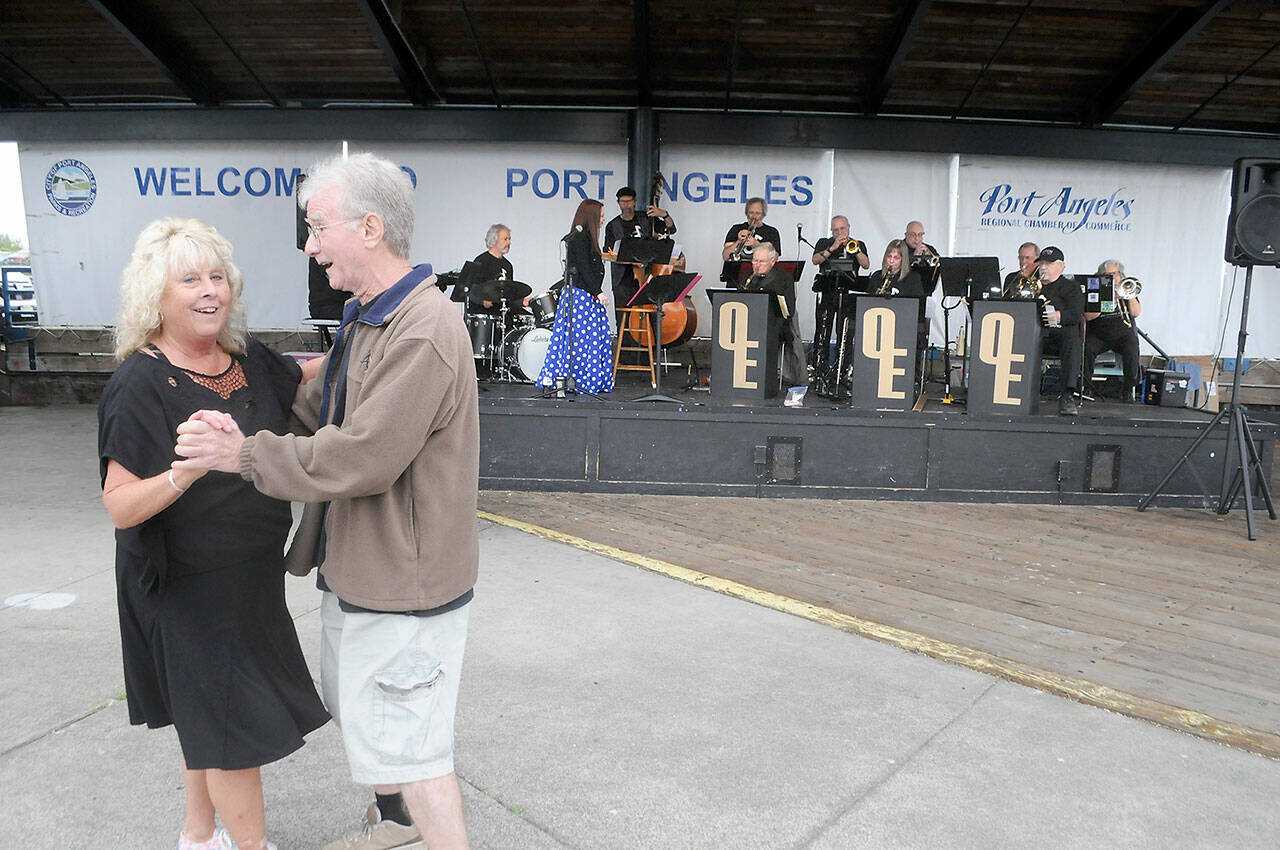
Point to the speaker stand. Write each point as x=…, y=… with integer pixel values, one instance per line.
x=1242, y=468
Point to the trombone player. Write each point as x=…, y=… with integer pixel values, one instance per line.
x=1114, y=330
x=1014, y=282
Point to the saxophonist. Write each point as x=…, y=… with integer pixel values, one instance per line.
x=833, y=288
x=895, y=277
x=1063, y=309
x=1014, y=282
x=1115, y=331
x=742, y=239
x=766, y=277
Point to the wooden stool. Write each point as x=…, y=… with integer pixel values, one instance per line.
x=633, y=316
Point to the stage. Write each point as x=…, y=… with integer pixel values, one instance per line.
x=1109, y=454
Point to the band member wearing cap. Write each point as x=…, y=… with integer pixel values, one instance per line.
x=629, y=223
x=1013, y=281
x=924, y=257
x=829, y=285
x=1114, y=331
x=1063, y=309
x=767, y=277
x=742, y=239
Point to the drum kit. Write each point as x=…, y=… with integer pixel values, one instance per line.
x=511, y=345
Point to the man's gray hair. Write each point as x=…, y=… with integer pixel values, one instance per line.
x=367, y=183
x=764, y=207
x=767, y=247
x=1102, y=266
x=492, y=234
x=843, y=218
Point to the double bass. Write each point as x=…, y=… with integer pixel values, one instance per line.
x=679, y=318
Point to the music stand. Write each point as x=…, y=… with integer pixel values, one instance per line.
x=639, y=250
x=658, y=290
x=734, y=272
x=969, y=279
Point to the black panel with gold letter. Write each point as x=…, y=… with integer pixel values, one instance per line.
x=744, y=345
x=884, y=353
x=1004, y=357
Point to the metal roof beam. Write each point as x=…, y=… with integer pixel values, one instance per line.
x=908, y=24
x=1180, y=28
x=147, y=34
x=484, y=60
x=422, y=90
x=644, y=85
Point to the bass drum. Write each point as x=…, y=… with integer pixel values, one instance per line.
x=527, y=351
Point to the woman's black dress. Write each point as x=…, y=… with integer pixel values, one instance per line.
x=208, y=643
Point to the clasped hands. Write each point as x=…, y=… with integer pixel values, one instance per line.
x=209, y=439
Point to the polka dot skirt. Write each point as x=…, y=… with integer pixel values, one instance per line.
x=592, y=346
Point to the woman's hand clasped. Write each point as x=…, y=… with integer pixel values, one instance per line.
x=209, y=439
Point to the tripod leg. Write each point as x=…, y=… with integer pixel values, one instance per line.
x=1246, y=478
x=1255, y=462
x=1208, y=429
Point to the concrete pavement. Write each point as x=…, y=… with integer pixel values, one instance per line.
x=602, y=706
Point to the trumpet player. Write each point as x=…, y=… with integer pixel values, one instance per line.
x=925, y=259
x=833, y=288
x=741, y=240
x=1063, y=308
x=1114, y=331
x=1014, y=282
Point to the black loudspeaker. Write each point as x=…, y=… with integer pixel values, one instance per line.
x=1253, y=230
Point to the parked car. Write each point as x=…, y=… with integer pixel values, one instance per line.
x=23, y=308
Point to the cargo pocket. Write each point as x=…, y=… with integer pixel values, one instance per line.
x=409, y=697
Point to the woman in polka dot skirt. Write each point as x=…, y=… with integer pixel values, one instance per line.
x=587, y=352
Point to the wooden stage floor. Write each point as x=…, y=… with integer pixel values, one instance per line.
x=1170, y=615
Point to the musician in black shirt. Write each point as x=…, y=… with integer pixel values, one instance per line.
x=1063, y=309
x=767, y=277
x=924, y=257
x=742, y=239
x=491, y=264
x=1015, y=280
x=833, y=287
x=630, y=224
x=1114, y=331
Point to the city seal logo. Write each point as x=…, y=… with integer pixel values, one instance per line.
x=70, y=187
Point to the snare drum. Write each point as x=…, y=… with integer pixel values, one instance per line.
x=543, y=306
x=527, y=351
x=481, y=326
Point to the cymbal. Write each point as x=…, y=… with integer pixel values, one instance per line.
x=500, y=290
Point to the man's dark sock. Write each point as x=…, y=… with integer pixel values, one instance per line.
x=391, y=807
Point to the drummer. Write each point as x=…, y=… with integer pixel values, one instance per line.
x=492, y=264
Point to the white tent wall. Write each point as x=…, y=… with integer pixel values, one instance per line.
x=709, y=189
x=1166, y=223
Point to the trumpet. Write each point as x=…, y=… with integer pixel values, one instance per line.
x=929, y=258
x=739, y=253
x=853, y=247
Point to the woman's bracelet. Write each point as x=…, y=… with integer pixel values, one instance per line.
x=174, y=484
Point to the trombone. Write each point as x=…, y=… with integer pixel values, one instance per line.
x=1128, y=288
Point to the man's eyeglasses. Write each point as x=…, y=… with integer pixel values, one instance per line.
x=317, y=230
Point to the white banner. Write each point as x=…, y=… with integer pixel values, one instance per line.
x=882, y=192
x=706, y=190
x=100, y=196
x=1167, y=224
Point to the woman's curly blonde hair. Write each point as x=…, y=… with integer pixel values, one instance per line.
x=168, y=248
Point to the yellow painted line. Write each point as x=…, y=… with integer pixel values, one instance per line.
x=1082, y=690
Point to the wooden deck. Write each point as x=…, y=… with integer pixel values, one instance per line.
x=1170, y=615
